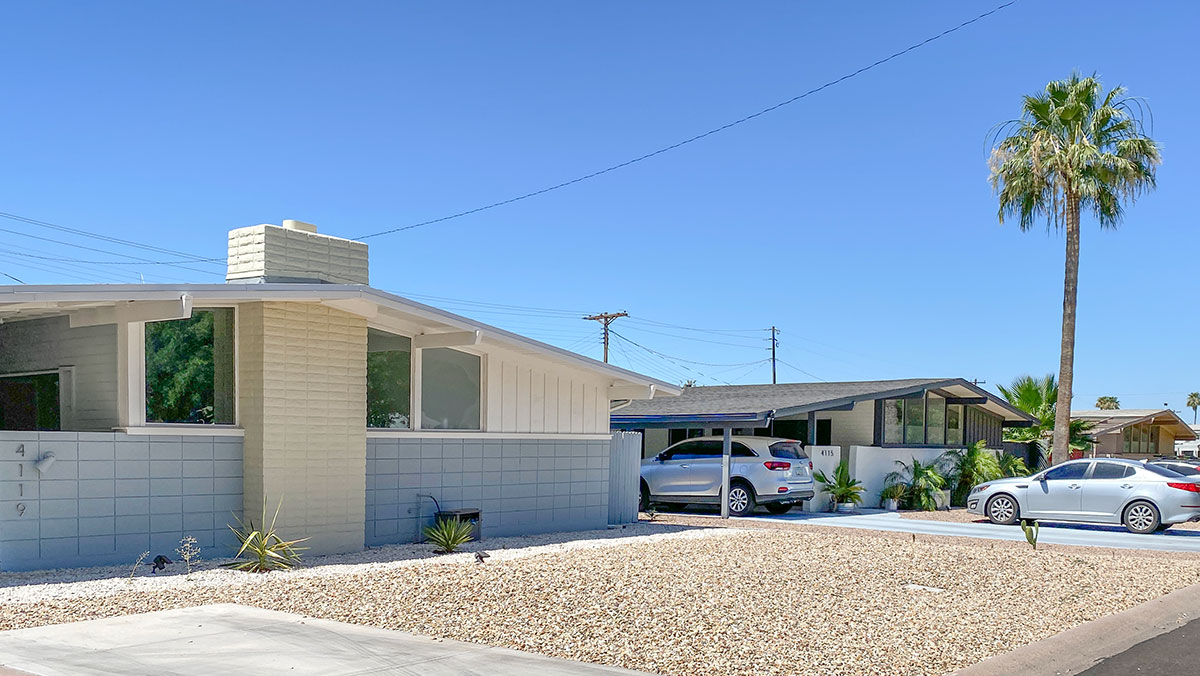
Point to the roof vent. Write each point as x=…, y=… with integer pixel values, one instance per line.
x=294, y=252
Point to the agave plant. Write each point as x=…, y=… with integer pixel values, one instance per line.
x=449, y=534
x=922, y=482
x=968, y=467
x=841, y=488
x=262, y=550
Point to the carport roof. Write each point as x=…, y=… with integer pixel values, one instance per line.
x=757, y=402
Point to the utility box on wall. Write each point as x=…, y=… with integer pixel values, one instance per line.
x=471, y=516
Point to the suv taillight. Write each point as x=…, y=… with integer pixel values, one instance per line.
x=1194, y=488
x=777, y=465
x=810, y=465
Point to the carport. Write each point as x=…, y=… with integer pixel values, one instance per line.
x=726, y=422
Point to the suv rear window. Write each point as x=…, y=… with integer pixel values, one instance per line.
x=788, y=450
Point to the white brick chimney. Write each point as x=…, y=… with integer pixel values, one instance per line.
x=294, y=252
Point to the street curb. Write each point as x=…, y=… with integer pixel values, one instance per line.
x=1082, y=647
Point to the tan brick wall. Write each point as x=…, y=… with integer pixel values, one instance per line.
x=303, y=382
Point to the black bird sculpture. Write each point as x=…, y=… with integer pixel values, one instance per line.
x=480, y=556
x=159, y=563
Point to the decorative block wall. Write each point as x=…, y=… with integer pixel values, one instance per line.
x=522, y=485
x=109, y=496
x=273, y=253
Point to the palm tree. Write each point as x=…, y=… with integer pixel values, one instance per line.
x=923, y=481
x=1193, y=402
x=967, y=468
x=1039, y=398
x=1108, y=403
x=1073, y=148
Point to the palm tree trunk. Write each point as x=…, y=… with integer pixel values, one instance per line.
x=1066, y=366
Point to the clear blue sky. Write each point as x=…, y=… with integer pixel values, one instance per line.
x=859, y=221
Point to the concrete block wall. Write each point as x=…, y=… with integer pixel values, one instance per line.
x=109, y=496
x=47, y=344
x=522, y=485
x=284, y=254
x=303, y=405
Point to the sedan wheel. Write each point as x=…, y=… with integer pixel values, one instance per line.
x=1003, y=510
x=741, y=500
x=1141, y=518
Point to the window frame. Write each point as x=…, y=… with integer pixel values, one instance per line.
x=66, y=392
x=418, y=384
x=132, y=400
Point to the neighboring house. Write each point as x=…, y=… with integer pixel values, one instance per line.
x=167, y=407
x=1136, y=433
x=871, y=424
x=1190, y=448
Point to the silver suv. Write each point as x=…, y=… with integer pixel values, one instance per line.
x=775, y=473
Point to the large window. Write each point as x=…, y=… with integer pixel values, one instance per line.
x=931, y=421
x=450, y=394
x=189, y=369
x=29, y=402
x=389, y=380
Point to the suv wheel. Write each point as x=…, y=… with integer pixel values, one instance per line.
x=1003, y=510
x=1141, y=518
x=741, y=500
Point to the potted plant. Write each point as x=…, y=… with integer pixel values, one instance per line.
x=891, y=495
x=845, y=492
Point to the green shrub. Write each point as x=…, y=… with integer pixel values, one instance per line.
x=841, y=487
x=1011, y=465
x=968, y=468
x=449, y=534
x=893, y=491
x=922, y=482
x=263, y=550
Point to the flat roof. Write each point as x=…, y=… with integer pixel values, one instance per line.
x=37, y=301
x=1115, y=420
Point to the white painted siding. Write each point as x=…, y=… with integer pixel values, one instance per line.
x=47, y=344
x=529, y=395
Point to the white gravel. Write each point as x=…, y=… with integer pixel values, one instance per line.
x=64, y=583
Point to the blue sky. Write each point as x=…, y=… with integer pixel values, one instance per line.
x=859, y=221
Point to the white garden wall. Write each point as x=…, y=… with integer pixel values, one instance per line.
x=870, y=464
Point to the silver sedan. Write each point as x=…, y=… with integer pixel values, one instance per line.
x=1143, y=497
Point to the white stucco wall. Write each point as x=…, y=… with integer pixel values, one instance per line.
x=870, y=464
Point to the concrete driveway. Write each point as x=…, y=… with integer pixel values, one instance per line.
x=226, y=639
x=1051, y=533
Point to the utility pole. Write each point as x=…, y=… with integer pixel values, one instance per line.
x=774, y=344
x=606, y=318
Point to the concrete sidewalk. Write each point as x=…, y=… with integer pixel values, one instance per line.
x=1153, y=638
x=1077, y=534
x=226, y=638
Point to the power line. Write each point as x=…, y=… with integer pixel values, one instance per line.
x=810, y=375
x=103, y=251
x=12, y=278
x=662, y=356
x=697, y=137
x=115, y=240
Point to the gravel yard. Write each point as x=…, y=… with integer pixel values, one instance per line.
x=663, y=598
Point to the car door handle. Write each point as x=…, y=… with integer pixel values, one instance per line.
x=684, y=466
x=1126, y=486
x=1074, y=487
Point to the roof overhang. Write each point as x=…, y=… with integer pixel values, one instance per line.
x=429, y=326
x=1165, y=418
x=714, y=420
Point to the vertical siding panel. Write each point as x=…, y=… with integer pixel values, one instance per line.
x=551, y=403
x=564, y=404
x=589, y=408
x=577, y=397
x=495, y=395
x=509, y=405
x=602, y=403
x=537, y=401
x=524, y=374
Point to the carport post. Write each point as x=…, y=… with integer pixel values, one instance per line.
x=726, y=452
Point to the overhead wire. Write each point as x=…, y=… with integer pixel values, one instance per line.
x=697, y=137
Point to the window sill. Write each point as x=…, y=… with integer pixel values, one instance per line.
x=183, y=430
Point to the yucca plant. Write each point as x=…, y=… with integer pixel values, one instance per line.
x=262, y=550
x=894, y=491
x=923, y=482
x=448, y=534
